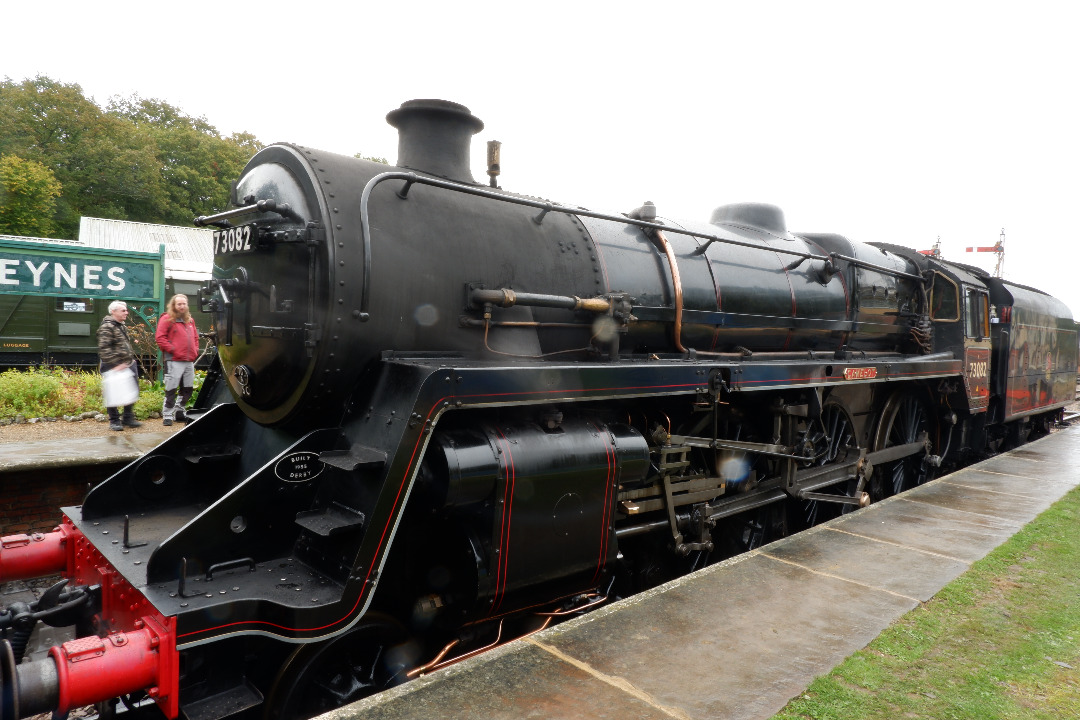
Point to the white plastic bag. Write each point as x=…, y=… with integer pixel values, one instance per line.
x=119, y=387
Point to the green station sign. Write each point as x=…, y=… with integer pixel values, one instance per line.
x=60, y=270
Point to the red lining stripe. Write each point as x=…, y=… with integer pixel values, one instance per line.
x=504, y=532
x=609, y=481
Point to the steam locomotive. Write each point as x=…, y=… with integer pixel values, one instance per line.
x=447, y=415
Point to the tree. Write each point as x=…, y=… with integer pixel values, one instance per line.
x=105, y=168
x=28, y=192
x=197, y=164
x=140, y=159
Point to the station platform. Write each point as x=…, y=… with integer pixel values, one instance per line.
x=104, y=450
x=739, y=639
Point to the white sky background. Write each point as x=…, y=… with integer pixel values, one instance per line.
x=883, y=121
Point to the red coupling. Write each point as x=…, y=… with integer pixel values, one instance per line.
x=92, y=669
x=23, y=557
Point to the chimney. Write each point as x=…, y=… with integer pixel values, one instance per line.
x=434, y=137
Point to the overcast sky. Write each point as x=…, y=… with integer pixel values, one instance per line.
x=896, y=122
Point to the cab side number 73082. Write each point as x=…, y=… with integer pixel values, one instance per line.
x=237, y=239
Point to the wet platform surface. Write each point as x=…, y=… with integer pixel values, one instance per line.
x=741, y=638
x=119, y=447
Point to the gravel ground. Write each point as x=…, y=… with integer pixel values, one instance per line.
x=61, y=429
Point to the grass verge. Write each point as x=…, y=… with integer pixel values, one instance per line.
x=1001, y=641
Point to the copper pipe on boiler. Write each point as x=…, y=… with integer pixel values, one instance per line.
x=676, y=284
x=505, y=297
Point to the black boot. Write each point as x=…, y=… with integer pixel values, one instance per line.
x=129, y=419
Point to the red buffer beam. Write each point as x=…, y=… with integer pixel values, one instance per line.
x=23, y=557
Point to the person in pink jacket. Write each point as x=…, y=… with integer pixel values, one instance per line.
x=179, y=341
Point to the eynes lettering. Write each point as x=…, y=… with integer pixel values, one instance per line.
x=24, y=274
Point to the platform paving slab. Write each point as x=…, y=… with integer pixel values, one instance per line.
x=968, y=534
x=517, y=685
x=121, y=447
x=1030, y=461
x=889, y=566
x=739, y=639
x=983, y=493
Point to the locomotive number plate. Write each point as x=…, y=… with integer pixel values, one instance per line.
x=234, y=240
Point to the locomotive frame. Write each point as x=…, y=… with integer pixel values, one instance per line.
x=382, y=482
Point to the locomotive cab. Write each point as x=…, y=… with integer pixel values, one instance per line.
x=960, y=311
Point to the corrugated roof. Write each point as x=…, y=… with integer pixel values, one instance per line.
x=182, y=244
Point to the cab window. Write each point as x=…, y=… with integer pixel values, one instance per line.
x=944, y=299
x=976, y=314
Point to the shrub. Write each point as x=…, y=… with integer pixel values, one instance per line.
x=54, y=392
x=145, y=347
x=43, y=392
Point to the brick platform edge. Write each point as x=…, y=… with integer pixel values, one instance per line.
x=30, y=500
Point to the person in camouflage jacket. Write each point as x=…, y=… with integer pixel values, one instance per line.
x=114, y=353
